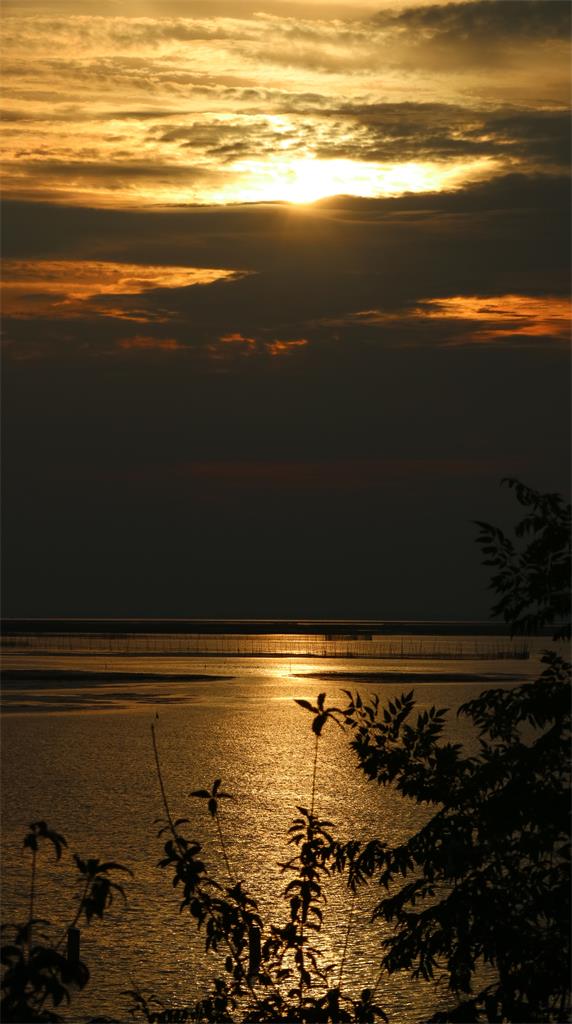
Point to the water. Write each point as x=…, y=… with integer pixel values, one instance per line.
x=77, y=753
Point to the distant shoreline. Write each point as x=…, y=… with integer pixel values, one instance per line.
x=345, y=628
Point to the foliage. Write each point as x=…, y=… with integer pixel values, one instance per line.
x=38, y=976
x=533, y=579
x=487, y=880
x=270, y=972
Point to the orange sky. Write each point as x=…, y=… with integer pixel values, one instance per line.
x=318, y=253
x=146, y=103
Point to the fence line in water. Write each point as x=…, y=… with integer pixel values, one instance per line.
x=240, y=645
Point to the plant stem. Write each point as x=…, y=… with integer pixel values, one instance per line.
x=76, y=916
x=161, y=783
x=32, y=897
x=223, y=847
x=374, y=990
x=310, y=832
x=348, y=929
x=314, y=773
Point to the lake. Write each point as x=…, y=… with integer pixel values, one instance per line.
x=77, y=752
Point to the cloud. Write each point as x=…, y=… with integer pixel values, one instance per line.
x=223, y=109
x=283, y=348
x=235, y=337
x=286, y=273
x=515, y=320
x=179, y=374
x=440, y=131
x=357, y=148
x=73, y=288
x=507, y=316
x=142, y=341
x=482, y=20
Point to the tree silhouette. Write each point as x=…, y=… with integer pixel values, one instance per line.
x=487, y=880
x=533, y=579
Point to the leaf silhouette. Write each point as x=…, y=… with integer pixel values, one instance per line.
x=306, y=704
x=213, y=796
x=40, y=830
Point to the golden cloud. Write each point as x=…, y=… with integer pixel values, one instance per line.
x=72, y=288
x=506, y=315
x=281, y=348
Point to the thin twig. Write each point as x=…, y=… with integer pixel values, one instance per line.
x=32, y=897
x=374, y=990
x=161, y=784
x=310, y=830
x=77, y=914
x=224, y=853
x=348, y=929
x=314, y=773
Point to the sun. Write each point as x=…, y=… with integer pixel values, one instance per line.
x=304, y=179
x=307, y=179
x=310, y=180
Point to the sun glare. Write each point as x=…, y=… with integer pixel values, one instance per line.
x=308, y=179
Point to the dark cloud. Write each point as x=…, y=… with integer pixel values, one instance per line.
x=482, y=20
x=247, y=236
x=348, y=276
x=472, y=38
x=438, y=131
x=87, y=170
x=394, y=132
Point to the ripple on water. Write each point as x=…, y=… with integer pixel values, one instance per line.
x=92, y=776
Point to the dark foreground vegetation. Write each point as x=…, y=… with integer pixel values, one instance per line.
x=486, y=880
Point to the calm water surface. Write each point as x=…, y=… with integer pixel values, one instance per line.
x=80, y=757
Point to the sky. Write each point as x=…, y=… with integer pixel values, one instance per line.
x=286, y=295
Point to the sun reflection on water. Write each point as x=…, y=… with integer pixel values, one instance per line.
x=92, y=777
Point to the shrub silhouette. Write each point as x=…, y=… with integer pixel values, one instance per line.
x=485, y=881
x=37, y=969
